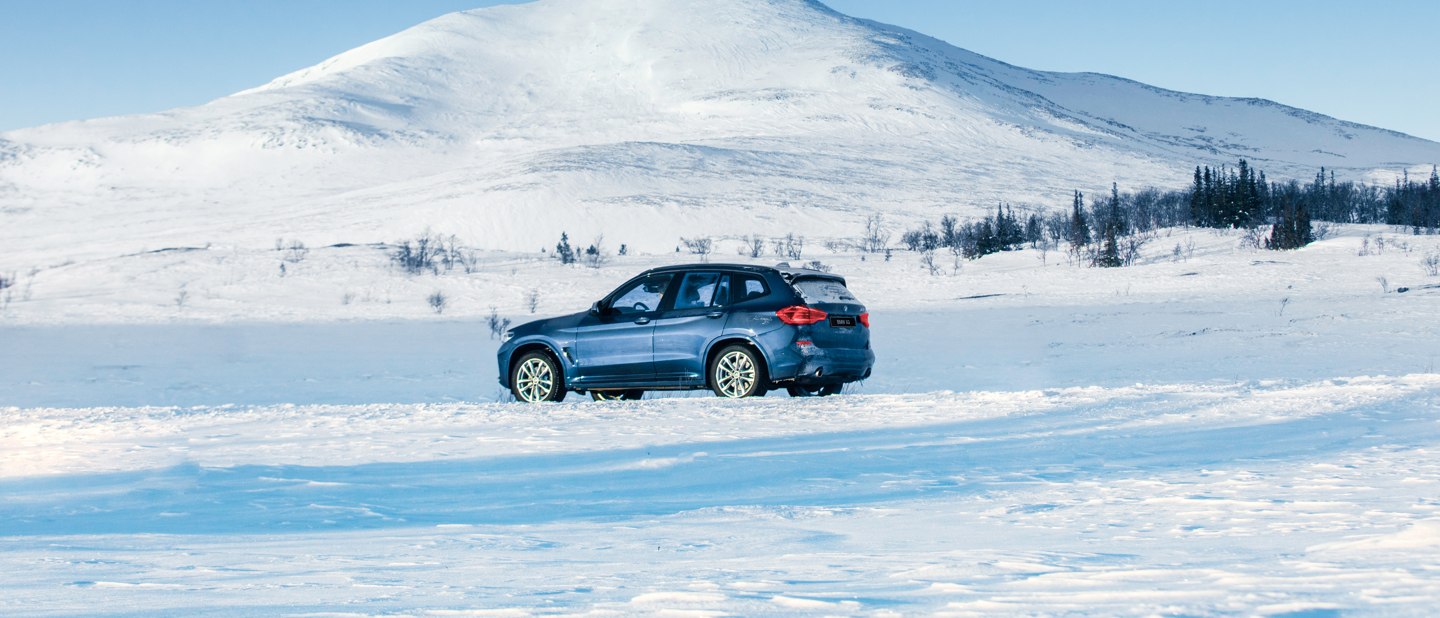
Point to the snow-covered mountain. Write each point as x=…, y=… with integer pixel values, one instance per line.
x=644, y=120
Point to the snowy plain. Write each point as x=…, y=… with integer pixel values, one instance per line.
x=200, y=422
x=1221, y=432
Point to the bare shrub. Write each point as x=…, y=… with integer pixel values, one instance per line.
x=450, y=255
x=1130, y=247
x=596, y=255
x=347, y=298
x=1364, y=247
x=817, y=265
x=877, y=235
x=1384, y=284
x=1254, y=238
x=532, y=300
x=497, y=325
x=418, y=255
x=1430, y=263
x=180, y=297
x=790, y=246
x=927, y=259
x=701, y=246
x=295, y=252
x=438, y=301
x=6, y=293
x=753, y=246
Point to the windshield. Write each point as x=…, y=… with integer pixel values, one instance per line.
x=823, y=291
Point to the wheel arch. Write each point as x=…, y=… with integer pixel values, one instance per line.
x=728, y=340
x=532, y=346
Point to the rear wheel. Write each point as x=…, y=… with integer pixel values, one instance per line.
x=536, y=377
x=737, y=371
x=824, y=390
x=629, y=395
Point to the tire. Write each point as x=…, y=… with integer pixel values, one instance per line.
x=536, y=377
x=737, y=371
x=630, y=395
x=824, y=390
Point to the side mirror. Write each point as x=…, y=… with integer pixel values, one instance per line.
x=595, y=308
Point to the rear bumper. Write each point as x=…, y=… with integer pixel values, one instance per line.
x=818, y=366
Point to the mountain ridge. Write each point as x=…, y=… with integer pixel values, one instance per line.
x=695, y=116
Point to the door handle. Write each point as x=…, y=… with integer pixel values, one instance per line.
x=716, y=314
x=642, y=321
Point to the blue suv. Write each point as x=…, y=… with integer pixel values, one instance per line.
x=738, y=330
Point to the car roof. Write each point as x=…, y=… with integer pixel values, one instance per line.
x=784, y=269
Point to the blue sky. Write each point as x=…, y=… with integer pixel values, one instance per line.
x=1370, y=63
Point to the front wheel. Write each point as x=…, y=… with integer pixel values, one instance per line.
x=536, y=377
x=825, y=390
x=737, y=371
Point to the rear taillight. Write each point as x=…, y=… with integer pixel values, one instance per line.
x=798, y=315
x=865, y=319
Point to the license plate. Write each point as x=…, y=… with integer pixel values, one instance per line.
x=842, y=322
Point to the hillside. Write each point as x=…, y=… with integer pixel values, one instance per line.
x=644, y=120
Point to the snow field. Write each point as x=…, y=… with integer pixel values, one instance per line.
x=1238, y=499
x=1039, y=439
x=239, y=284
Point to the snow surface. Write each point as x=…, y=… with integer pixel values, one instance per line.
x=195, y=422
x=1171, y=438
x=510, y=124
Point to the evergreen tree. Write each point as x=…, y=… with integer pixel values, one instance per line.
x=563, y=250
x=986, y=242
x=1116, y=217
x=1033, y=233
x=1291, y=229
x=1109, y=256
x=1008, y=234
x=1079, y=229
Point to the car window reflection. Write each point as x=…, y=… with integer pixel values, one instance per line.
x=642, y=296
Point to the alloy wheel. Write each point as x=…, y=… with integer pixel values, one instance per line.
x=735, y=374
x=535, y=381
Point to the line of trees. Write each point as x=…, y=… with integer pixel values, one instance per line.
x=1109, y=230
x=1243, y=198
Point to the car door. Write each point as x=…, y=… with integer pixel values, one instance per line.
x=616, y=347
x=693, y=318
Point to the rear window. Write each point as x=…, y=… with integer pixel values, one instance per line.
x=823, y=291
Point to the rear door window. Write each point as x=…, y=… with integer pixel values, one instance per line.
x=748, y=287
x=697, y=291
x=823, y=291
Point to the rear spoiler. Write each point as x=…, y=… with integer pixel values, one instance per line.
x=793, y=274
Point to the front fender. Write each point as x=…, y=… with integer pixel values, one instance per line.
x=508, y=352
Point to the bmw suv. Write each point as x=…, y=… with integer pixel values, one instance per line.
x=738, y=330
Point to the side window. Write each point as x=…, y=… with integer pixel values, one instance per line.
x=748, y=287
x=722, y=293
x=642, y=296
x=696, y=290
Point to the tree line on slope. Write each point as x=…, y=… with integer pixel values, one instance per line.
x=1111, y=230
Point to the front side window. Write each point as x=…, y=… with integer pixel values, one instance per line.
x=697, y=291
x=642, y=296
